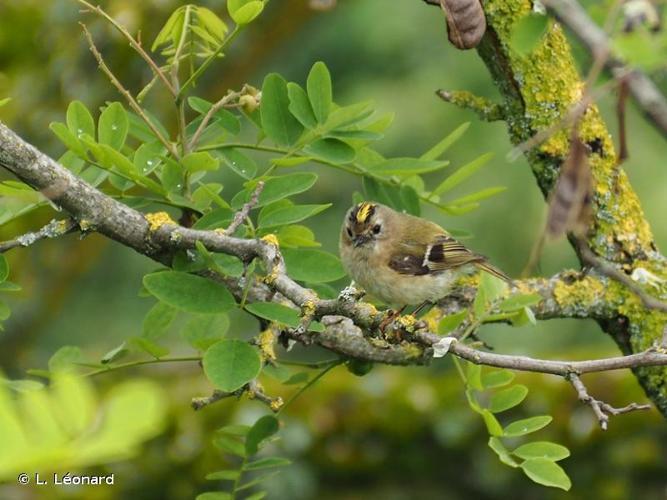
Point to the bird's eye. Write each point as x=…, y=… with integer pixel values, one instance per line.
x=349, y=232
x=376, y=229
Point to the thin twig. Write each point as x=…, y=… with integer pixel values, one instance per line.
x=135, y=44
x=242, y=214
x=601, y=409
x=126, y=93
x=53, y=229
x=613, y=272
x=253, y=389
x=207, y=117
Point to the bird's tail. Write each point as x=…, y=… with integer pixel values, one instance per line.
x=485, y=266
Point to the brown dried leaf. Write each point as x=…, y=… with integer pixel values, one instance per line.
x=466, y=23
x=570, y=201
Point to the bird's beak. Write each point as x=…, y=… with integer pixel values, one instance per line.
x=359, y=240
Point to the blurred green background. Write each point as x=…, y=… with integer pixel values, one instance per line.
x=397, y=433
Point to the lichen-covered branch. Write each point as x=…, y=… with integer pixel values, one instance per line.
x=347, y=322
x=539, y=89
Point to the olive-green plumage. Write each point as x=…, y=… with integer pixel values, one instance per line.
x=402, y=259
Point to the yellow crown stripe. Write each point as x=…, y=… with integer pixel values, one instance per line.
x=364, y=211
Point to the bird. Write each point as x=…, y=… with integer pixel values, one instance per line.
x=402, y=259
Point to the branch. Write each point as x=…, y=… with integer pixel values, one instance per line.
x=611, y=271
x=242, y=214
x=601, y=409
x=647, y=95
x=53, y=229
x=487, y=110
x=345, y=321
x=253, y=389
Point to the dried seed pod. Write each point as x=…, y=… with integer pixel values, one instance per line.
x=466, y=23
x=570, y=203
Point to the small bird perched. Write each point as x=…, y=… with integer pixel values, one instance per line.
x=402, y=259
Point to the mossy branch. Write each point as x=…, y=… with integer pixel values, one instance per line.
x=539, y=90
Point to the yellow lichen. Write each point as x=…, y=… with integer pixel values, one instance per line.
x=276, y=404
x=158, y=219
x=85, y=225
x=581, y=293
x=432, y=318
x=407, y=322
x=308, y=308
x=265, y=342
x=272, y=239
x=271, y=278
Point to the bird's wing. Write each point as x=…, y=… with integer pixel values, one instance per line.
x=442, y=254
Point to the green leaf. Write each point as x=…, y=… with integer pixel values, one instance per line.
x=299, y=105
x=204, y=330
x=449, y=323
x=115, y=354
x=473, y=376
x=4, y=268
x=296, y=236
x=217, y=218
x=4, y=101
x=517, y=302
x=234, y=430
x=148, y=346
x=264, y=428
x=348, y=115
x=214, y=495
x=147, y=157
x=528, y=32
x=67, y=138
x=546, y=472
x=189, y=292
x=313, y=266
x=492, y=425
x=8, y=286
x=244, y=12
x=277, y=121
x=277, y=188
x=527, y=425
x=410, y=200
x=157, y=321
x=230, y=364
x=64, y=358
x=333, y=150
x=524, y=316
x=462, y=174
x=407, y=166
x=478, y=196
x=200, y=161
x=229, y=444
x=113, y=126
x=268, y=462
x=224, y=475
x=542, y=449
x=496, y=378
x=503, y=453
x=256, y=496
x=290, y=215
x=5, y=311
x=439, y=149
x=319, y=91
x=79, y=120
x=240, y=163
x=275, y=312
x=507, y=398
